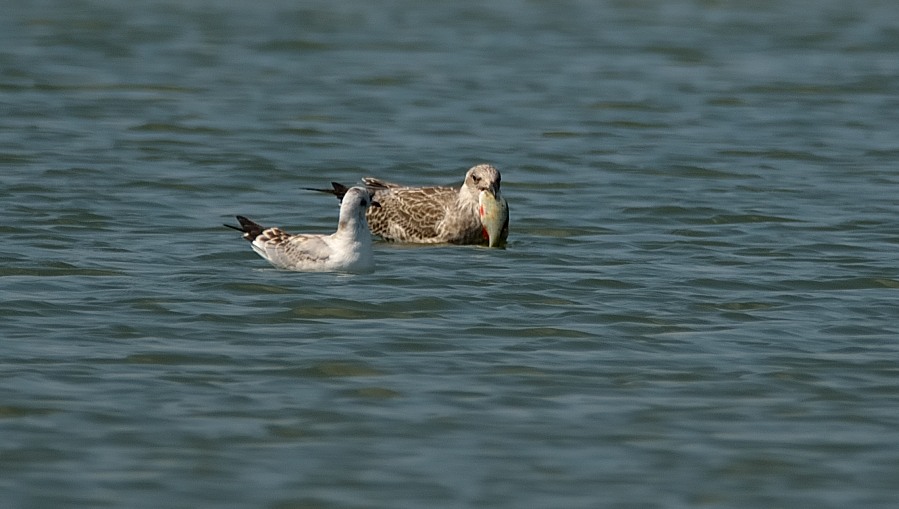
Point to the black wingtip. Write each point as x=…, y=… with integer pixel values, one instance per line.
x=337, y=189
x=250, y=229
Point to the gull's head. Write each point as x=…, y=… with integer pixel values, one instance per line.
x=483, y=177
x=355, y=202
x=358, y=198
x=483, y=182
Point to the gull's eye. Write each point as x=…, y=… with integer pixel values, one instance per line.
x=475, y=179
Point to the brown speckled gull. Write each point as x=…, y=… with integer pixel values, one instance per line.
x=475, y=213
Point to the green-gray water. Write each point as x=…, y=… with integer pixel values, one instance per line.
x=697, y=306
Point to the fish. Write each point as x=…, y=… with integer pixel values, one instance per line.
x=494, y=214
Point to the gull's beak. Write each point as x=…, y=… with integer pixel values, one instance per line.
x=494, y=213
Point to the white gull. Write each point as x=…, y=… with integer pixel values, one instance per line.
x=346, y=250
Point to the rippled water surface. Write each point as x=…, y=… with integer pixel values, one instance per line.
x=697, y=306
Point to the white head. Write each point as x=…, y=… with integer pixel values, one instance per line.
x=352, y=208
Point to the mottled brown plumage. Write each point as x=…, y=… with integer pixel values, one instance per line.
x=437, y=214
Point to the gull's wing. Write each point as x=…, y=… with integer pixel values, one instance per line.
x=409, y=214
x=374, y=184
x=291, y=251
x=337, y=189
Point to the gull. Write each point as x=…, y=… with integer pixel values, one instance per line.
x=346, y=250
x=475, y=213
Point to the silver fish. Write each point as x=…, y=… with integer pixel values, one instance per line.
x=494, y=213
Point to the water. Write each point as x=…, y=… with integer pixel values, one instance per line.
x=697, y=307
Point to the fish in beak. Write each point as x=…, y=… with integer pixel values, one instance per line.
x=494, y=213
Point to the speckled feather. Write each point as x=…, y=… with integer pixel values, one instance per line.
x=423, y=215
x=284, y=249
x=434, y=215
